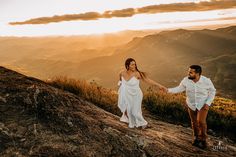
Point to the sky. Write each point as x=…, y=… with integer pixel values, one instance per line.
x=77, y=17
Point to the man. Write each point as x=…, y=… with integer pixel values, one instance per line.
x=200, y=93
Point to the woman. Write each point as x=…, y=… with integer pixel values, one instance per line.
x=130, y=95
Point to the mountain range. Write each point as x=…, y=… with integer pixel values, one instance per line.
x=165, y=56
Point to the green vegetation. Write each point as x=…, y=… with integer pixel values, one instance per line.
x=221, y=118
x=92, y=92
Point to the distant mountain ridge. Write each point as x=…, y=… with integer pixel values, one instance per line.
x=175, y=51
x=165, y=55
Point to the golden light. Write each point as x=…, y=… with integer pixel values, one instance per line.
x=168, y=20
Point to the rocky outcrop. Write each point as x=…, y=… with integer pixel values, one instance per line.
x=39, y=120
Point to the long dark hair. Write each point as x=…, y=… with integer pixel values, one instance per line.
x=127, y=63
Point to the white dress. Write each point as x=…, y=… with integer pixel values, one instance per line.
x=130, y=98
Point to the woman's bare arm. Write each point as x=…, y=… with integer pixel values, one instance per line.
x=152, y=82
x=120, y=75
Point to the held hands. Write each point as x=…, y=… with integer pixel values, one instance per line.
x=163, y=89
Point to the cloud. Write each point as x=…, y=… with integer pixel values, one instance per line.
x=201, y=6
x=119, y=13
x=129, y=12
x=45, y=20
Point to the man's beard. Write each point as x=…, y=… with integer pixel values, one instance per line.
x=191, y=78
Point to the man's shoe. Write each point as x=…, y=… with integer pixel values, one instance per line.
x=203, y=145
x=196, y=142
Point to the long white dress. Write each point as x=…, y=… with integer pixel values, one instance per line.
x=130, y=99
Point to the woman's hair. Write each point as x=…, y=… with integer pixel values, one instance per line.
x=127, y=63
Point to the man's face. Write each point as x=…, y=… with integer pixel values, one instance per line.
x=192, y=74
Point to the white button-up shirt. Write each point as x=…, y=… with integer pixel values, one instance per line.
x=199, y=93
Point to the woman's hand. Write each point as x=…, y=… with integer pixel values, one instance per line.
x=163, y=88
x=119, y=83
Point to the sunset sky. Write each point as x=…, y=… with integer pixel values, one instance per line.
x=76, y=17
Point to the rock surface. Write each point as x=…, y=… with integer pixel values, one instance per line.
x=39, y=120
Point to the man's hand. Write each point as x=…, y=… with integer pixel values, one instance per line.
x=206, y=107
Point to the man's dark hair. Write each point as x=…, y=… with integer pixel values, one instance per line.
x=197, y=68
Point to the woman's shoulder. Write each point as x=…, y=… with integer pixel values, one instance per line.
x=122, y=72
x=137, y=75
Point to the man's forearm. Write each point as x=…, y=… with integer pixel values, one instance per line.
x=178, y=89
